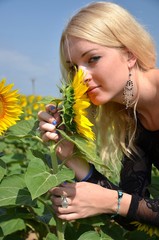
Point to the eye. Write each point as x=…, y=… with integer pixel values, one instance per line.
x=94, y=59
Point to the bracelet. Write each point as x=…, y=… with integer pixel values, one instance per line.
x=89, y=173
x=120, y=195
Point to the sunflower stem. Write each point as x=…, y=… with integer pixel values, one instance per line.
x=54, y=160
x=60, y=225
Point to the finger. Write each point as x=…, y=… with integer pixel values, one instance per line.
x=57, y=201
x=45, y=116
x=44, y=126
x=51, y=108
x=68, y=185
x=69, y=217
x=59, y=191
x=50, y=136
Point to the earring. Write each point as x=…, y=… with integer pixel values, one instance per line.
x=128, y=92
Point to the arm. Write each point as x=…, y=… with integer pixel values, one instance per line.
x=135, y=178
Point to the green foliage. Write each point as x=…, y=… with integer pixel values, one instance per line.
x=26, y=175
x=39, y=178
x=67, y=110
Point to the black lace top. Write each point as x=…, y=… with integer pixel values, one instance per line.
x=135, y=178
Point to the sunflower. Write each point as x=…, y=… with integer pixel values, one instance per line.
x=75, y=103
x=150, y=230
x=10, y=109
x=30, y=106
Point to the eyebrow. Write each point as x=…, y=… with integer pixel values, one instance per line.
x=83, y=54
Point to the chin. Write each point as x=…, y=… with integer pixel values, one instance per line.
x=97, y=102
x=98, y=99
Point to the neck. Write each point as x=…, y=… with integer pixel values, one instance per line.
x=148, y=99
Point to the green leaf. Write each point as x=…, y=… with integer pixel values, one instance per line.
x=3, y=169
x=51, y=236
x=2, y=144
x=88, y=148
x=13, y=158
x=47, y=100
x=154, y=186
x=39, y=178
x=111, y=230
x=24, y=128
x=154, y=190
x=11, y=226
x=90, y=235
x=13, y=191
x=139, y=235
x=95, y=221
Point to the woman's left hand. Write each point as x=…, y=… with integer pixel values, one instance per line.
x=84, y=199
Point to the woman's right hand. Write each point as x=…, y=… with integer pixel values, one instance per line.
x=49, y=121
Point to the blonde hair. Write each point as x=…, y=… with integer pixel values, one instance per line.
x=110, y=25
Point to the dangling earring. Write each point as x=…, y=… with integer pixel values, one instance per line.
x=128, y=92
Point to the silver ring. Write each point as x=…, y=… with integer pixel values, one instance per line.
x=64, y=202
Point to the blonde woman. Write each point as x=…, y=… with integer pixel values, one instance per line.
x=119, y=58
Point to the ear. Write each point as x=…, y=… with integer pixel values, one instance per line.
x=131, y=59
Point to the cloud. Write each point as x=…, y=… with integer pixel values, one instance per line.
x=14, y=60
x=20, y=69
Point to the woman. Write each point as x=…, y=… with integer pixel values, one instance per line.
x=118, y=56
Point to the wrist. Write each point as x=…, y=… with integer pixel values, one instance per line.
x=89, y=174
x=122, y=203
x=80, y=167
x=118, y=204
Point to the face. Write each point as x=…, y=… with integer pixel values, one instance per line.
x=106, y=68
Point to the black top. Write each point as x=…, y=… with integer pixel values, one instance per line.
x=135, y=178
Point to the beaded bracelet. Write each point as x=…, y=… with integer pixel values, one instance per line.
x=89, y=173
x=120, y=195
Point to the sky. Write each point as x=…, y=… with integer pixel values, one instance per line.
x=30, y=32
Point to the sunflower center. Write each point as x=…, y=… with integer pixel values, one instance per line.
x=2, y=111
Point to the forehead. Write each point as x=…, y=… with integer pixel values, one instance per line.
x=74, y=46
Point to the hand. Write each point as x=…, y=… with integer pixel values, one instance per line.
x=49, y=122
x=84, y=200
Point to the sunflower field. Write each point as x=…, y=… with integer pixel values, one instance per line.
x=29, y=168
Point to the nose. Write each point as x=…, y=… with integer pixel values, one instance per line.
x=87, y=75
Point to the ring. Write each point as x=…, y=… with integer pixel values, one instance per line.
x=64, y=202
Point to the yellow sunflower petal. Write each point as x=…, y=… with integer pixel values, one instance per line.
x=10, y=109
x=78, y=84
x=81, y=103
x=150, y=230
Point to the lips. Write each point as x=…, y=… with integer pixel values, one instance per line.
x=90, y=89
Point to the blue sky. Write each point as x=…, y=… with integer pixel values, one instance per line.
x=30, y=31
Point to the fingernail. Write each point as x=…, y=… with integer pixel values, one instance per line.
x=54, y=122
x=52, y=108
x=65, y=182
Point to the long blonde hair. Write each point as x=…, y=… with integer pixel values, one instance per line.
x=110, y=25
